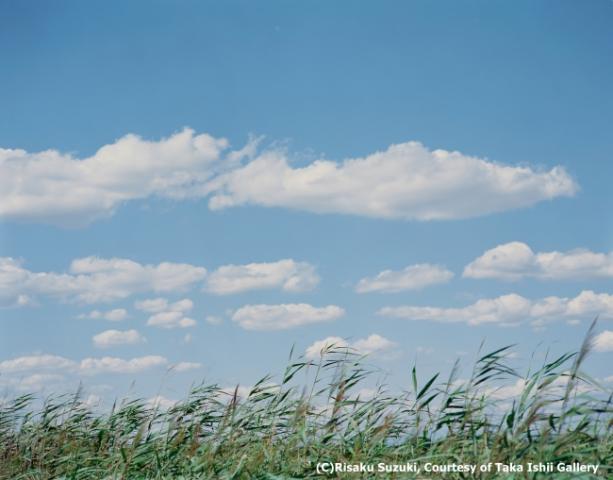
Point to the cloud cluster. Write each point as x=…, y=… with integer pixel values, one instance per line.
x=405, y=181
x=112, y=338
x=93, y=280
x=413, y=277
x=513, y=309
x=373, y=344
x=516, y=260
x=167, y=315
x=87, y=366
x=284, y=316
x=287, y=274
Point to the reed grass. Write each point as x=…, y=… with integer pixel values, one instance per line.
x=283, y=430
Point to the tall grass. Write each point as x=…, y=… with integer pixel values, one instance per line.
x=282, y=430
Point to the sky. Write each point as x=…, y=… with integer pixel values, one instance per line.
x=190, y=189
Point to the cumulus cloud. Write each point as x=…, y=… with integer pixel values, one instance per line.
x=603, y=342
x=94, y=366
x=284, y=316
x=512, y=309
x=33, y=382
x=186, y=366
x=87, y=366
x=516, y=260
x=93, y=279
x=287, y=274
x=405, y=181
x=112, y=338
x=167, y=315
x=372, y=344
x=36, y=362
x=413, y=277
x=115, y=315
x=129, y=169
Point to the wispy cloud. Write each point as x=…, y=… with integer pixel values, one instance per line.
x=287, y=274
x=284, y=316
x=413, y=277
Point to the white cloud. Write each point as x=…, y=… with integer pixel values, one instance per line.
x=604, y=342
x=152, y=305
x=93, y=366
x=36, y=362
x=413, y=277
x=32, y=383
x=186, y=366
x=159, y=402
x=87, y=366
x=284, y=316
x=112, y=338
x=507, y=392
x=93, y=279
x=406, y=181
x=288, y=275
x=167, y=315
x=170, y=320
x=213, y=320
x=516, y=260
x=115, y=315
x=373, y=344
x=131, y=168
x=513, y=309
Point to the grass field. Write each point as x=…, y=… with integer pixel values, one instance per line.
x=315, y=413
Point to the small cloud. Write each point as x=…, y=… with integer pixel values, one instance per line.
x=284, y=316
x=112, y=338
x=167, y=315
x=185, y=366
x=413, y=277
x=213, y=320
x=373, y=344
x=604, y=341
x=287, y=275
x=516, y=260
x=116, y=315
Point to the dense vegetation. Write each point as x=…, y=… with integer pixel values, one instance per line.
x=284, y=430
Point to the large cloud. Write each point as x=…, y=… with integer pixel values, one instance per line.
x=412, y=277
x=284, y=316
x=406, y=181
x=513, y=309
x=516, y=260
x=129, y=169
x=287, y=274
x=93, y=279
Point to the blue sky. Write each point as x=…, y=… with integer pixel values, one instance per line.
x=275, y=97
